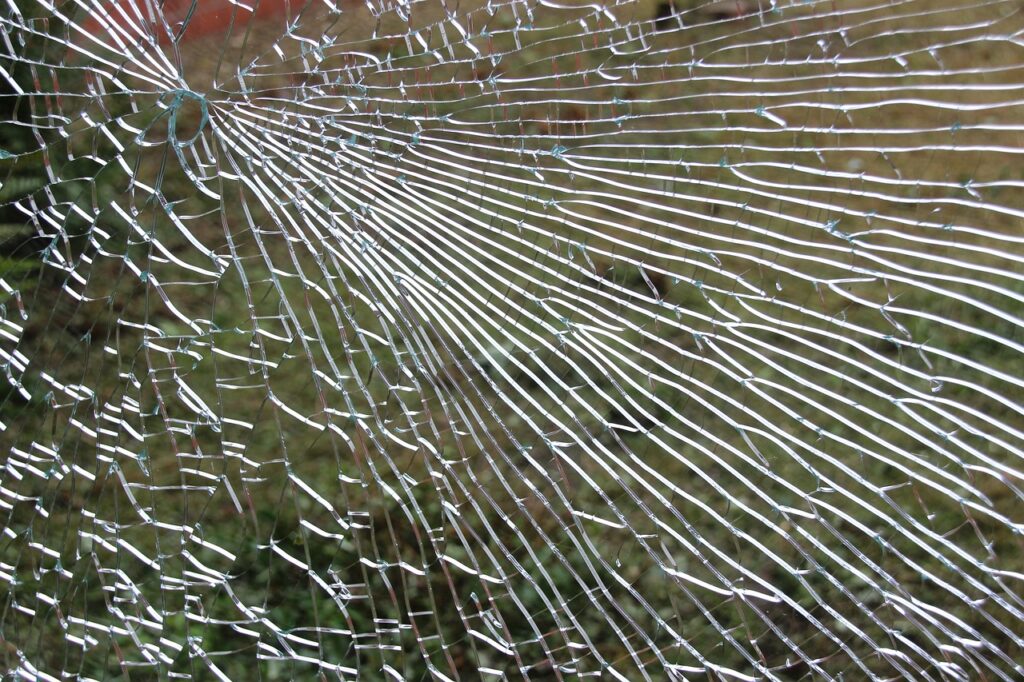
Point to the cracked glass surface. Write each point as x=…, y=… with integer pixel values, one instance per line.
x=511, y=340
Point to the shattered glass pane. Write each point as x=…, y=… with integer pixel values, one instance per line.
x=518, y=339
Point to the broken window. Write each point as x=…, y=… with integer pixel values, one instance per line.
x=519, y=339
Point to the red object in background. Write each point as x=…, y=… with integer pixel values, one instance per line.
x=207, y=16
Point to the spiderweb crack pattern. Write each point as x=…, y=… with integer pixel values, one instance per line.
x=525, y=340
